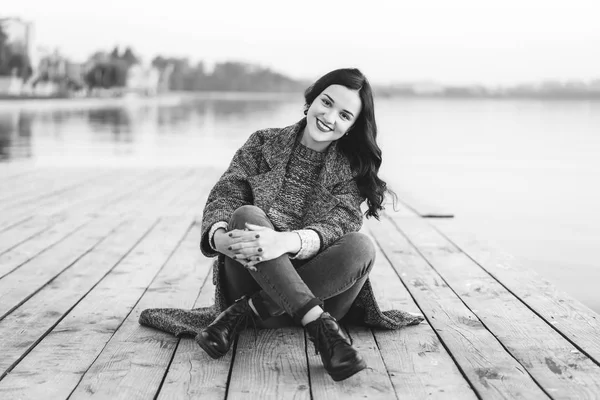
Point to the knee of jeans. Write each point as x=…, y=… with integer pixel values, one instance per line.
x=248, y=213
x=361, y=248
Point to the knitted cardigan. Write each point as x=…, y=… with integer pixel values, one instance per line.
x=255, y=176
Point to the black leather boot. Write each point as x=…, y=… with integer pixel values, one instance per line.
x=216, y=338
x=340, y=359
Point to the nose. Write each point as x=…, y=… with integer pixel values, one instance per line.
x=329, y=118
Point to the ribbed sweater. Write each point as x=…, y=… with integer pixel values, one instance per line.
x=302, y=174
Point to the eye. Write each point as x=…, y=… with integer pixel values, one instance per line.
x=326, y=102
x=345, y=116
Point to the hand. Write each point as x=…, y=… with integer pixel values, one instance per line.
x=225, y=240
x=260, y=244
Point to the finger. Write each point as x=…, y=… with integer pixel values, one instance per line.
x=253, y=227
x=235, y=233
x=241, y=245
x=252, y=264
x=243, y=237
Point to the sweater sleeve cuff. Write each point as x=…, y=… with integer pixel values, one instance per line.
x=310, y=243
x=213, y=229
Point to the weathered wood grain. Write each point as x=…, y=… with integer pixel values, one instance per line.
x=566, y=314
x=271, y=365
x=18, y=286
x=45, y=203
x=418, y=364
x=25, y=251
x=56, y=186
x=15, y=169
x=29, y=323
x=108, y=194
x=490, y=369
x=550, y=359
x=132, y=365
x=18, y=234
x=192, y=373
x=370, y=383
x=77, y=340
x=25, y=183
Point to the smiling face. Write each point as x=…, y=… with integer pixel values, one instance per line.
x=330, y=116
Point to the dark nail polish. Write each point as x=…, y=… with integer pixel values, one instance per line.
x=229, y=248
x=231, y=235
x=257, y=236
x=259, y=250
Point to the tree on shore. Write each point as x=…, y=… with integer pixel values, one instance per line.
x=110, y=70
x=226, y=76
x=11, y=60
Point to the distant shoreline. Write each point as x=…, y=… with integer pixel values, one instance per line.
x=178, y=96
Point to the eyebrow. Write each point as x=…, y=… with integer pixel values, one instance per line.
x=333, y=101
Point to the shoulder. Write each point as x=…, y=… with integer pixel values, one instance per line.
x=262, y=136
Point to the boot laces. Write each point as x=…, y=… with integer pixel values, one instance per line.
x=333, y=337
x=243, y=322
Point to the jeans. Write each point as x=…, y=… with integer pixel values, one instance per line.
x=282, y=288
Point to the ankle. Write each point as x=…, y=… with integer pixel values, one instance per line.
x=251, y=304
x=312, y=315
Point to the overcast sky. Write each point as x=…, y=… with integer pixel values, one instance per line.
x=450, y=41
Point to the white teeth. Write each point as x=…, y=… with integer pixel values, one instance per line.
x=323, y=127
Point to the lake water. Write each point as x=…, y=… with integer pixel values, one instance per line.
x=522, y=174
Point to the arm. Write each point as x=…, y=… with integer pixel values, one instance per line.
x=232, y=190
x=342, y=219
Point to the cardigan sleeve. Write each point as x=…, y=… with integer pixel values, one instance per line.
x=342, y=219
x=232, y=190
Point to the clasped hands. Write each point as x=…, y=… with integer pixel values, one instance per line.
x=255, y=244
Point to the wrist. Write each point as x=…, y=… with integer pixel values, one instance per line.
x=292, y=242
x=219, y=234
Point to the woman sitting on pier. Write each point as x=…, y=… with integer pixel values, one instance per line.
x=283, y=220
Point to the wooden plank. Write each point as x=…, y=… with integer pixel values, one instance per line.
x=38, y=179
x=194, y=197
x=25, y=183
x=72, y=204
x=551, y=360
x=371, y=383
x=28, y=209
x=148, y=200
x=569, y=316
x=13, y=237
x=56, y=186
x=192, y=373
x=15, y=169
x=18, y=286
x=23, y=328
x=133, y=362
x=490, y=369
x=423, y=208
x=272, y=365
x=25, y=251
x=107, y=194
x=153, y=204
x=418, y=364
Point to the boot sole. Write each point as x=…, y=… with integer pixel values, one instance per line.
x=347, y=373
x=211, y=350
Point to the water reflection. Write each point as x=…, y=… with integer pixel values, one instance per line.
x=15, y=135
x=142, y=131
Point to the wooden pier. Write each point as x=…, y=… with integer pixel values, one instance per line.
x=84, y=250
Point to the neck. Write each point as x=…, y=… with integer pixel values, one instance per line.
x=311, y=144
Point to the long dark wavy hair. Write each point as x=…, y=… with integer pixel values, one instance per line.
x=360, y=145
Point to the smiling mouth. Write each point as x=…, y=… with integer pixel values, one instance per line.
x=322, y=127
